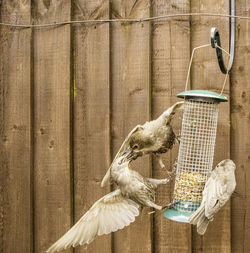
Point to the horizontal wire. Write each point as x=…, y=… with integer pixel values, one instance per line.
x=98, y=21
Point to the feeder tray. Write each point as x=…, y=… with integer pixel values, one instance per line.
x=196, y=151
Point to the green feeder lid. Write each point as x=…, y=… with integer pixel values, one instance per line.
x=202, y=94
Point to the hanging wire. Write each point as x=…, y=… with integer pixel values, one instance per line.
x=228, y=67
x=191, y=60
x=100, y=21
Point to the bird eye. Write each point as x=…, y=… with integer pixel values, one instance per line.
x=135, y=146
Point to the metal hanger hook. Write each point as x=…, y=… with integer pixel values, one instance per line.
x=215, y=42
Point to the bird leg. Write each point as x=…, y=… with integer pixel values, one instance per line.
x=162, y=165
x=178, y=138
x=156, y=182
x=172, y=173
x=174, y=168
x=171, y=205
x=152, y=204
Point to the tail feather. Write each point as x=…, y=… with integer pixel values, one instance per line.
x=197, y=215
x=170, y=112
x=202, y=225
x=198, y=218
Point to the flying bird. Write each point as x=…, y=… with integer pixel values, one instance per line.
x=115, y=210
x=218, y=190
x=154, y=137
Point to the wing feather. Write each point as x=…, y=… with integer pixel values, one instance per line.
x=218, y=189
x=122, y=149
x=108, y=214
x=216, y=194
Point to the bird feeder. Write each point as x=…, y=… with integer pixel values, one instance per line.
x=196, y=151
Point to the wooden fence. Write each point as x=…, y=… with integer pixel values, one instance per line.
x=70, y=94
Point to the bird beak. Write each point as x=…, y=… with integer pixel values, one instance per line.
x=128, y=155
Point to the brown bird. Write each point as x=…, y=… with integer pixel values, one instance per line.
x=115, y=210
x=154, y=137
x=218, y=190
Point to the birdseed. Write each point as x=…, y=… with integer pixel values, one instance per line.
x=189, y=186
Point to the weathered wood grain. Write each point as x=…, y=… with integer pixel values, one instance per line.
x=170, y=60
x=240, y=135
x=91, y=112
x=130, y=61
x=93, y=80
x=206, y=75
x=52, y=207
x=15, y=130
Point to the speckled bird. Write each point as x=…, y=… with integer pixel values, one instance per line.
x=115, y=210
x=218, y=190
x=154, y=137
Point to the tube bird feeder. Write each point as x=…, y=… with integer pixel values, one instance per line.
x=196, y=151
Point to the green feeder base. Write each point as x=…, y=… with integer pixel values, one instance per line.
x=175, y=215
x=182, y=210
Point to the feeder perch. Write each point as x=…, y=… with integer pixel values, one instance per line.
x=196, y=151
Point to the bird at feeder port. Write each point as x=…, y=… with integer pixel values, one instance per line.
x=115, y=210
x=154, y=137
x=218, y=190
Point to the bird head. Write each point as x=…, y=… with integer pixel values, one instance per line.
x=137, y=146
x=227, y=164
x=140, y=142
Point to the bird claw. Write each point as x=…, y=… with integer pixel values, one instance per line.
x=178, y=139
x=166, y=180
x=170, y=205
x=174, y=168
x=171, y=174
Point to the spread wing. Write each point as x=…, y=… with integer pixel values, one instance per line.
x=108, y=214
x=215, y=194
x=122, y=149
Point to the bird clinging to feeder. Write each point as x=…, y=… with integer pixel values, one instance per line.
x=218, y=190
x=154, y=137
x=116, y=209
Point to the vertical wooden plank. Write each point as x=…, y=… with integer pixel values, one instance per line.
x=206, y=75
x=15, y=129
x=91, y=112
x=240, y=136
x=51, y=123
x=131, y=103
x=171, y=51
